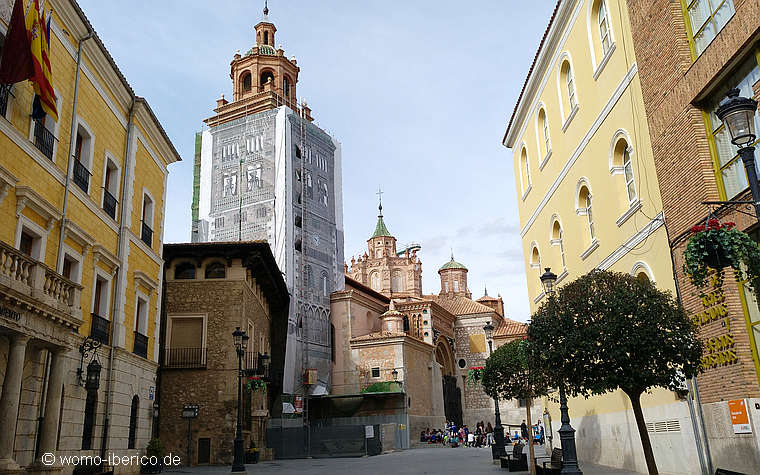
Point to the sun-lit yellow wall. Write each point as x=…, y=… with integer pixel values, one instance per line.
x=610, y=106
x=106, y=113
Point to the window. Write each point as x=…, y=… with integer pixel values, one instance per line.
x=100, y=297
x=375, y=281
x=446, y=286
x=535, y=259
x=110, y=187
x=71, y=268
x=215, y=270
x=266, y=76
x=543, y=124
x=570, y=83
x=286, y=87
x=186, y=270
x=246, y=82
x=141, y=316
x=630, y=186
x=705, y=19
x=557, y=241
x=219, y=222
x=83, y=149
x=27, y=243
x=229, y=181
x=147, y=220
x=324, y=194
x=133, y=412
x=456, y=286
x=604, y=27
x=733, y=177
x=397, y=281
x=378, y=253
x=375, y=372
x=524, y=172
x=325, y=287
x=186, y=342
x=584, y=203
x=622, y=163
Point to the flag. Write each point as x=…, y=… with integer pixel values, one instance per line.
x=43, y=85
x=17, y=63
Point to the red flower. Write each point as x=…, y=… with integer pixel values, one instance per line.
x=728, y=225
x=713, y=223
x=698, y=228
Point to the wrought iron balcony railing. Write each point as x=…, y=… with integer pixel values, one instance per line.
x=147, y=235
x=44, y=139
x=81, y=176
x=100, y=329
x=109, y=204
x=184, y=358
x=140, y=347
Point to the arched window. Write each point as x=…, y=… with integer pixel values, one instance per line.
x=266, y=76
x=524, y=171
x=397, y=281
x=621, y=163
x=584, y=208
x=374, y=279
x=325, y=287
x=215, y=270
x=604, y=26
x=133, y=422
x=286, y=87
x=185, y=270
x=557, y=241
x=535, y=258
x=642, y=272
x=246, y=82
x=543, y=132
x=406, y=324
x=266, y=37
x=569, y=82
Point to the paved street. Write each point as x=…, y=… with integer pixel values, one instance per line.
x=463, y=460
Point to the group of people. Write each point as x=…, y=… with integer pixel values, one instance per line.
x=482, y=436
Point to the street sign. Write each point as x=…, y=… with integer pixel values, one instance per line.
x=190, y=411
x=739, y=416
x=151, y=392
x=369, y=432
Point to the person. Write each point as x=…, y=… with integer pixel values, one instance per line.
x=524, y=430
x=541, y=433
x=479, y=435
x=489, y=434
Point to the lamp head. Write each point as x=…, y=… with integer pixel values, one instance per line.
x=738, y=115
x=548, y=279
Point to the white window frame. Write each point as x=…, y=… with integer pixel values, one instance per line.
x=55, y=129
x=98, y=272
x=75, y=256
x=87, y=160
x=146, y=192
x=169, y=321
x=603, y=22
x=40, y=234
x=110, y=158
x=9, y=108
x=146, y=299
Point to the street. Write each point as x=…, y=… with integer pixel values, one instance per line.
x=438, y=460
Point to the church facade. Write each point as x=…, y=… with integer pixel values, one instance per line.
x=385, y=329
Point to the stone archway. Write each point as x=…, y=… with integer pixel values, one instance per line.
x=452, y=394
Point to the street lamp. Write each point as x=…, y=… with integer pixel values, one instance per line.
x=738, y=115
x=240, y=340
x=497, y=449
x=566, y=431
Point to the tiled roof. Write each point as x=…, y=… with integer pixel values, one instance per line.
x=487, y=298
x=510, y=328
x=459, y=305
x=533, y=65
x=381, y=229
x=367, y=290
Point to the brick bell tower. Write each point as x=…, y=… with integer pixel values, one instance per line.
x=454, y=279
x=262, y=78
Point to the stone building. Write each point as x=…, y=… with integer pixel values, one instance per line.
x=689, y=58
x=82, y=205
x=211, y=289
x=383, y=322
x=264, y=170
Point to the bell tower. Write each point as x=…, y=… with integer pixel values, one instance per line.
x=265, y=30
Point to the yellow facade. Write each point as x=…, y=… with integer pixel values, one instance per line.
x=108, y=115
x=588, y=197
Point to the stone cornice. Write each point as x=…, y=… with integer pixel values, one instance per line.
x=79, y=235
x=7, y=181
x=100, y=253
x=27, y=197
x=141, y=278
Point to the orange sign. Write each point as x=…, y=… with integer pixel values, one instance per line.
x=739, y=416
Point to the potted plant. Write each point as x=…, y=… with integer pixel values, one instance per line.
x=716, y=246
x=256, y=383
x=154, y=449
x=474, y=374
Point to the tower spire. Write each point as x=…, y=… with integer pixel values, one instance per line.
x=266, y=9
x=380, y=200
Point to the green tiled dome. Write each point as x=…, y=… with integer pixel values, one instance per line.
x=263, y=49
x=452, y=264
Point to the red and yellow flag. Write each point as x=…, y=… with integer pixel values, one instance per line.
x=38, y=38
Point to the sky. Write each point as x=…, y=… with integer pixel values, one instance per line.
x=419, y=94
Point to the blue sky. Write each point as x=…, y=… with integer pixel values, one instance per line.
x=418, y=92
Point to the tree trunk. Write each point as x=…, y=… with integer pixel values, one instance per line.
x=648, y=454
x=531, y=452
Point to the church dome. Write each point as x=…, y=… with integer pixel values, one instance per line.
x=452, y=264
x=263, y=49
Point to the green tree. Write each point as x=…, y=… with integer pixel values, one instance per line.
x=509, y=374
x=608, y=330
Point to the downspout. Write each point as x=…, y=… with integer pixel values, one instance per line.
x=69, y=163
x=697, y=417
x=117, y=277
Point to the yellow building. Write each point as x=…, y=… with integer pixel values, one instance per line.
x=588, y=198
x=82, y=204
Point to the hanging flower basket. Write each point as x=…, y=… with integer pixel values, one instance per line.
x=474, y=374
x=717, y=246
x=255, y=383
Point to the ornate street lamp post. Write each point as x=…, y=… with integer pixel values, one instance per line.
x=241, y=344
x=497, y=449
x=738, y=116
x=566, y=432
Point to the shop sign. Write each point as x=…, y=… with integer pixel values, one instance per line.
x=9, y=313
x=298, y=404
x=739, y=416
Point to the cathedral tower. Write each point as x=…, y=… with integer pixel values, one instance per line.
x=454, y=279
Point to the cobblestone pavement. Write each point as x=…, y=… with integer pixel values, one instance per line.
x=462, y=461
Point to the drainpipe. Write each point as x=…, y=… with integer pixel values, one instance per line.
x=69, y=163
x=697, y=417
x=117, y=276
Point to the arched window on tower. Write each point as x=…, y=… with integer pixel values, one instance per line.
x=266, y=76
x=246, y=82
x=406, y=324
x=375, y=281
x=266, y=37
x=286, y=87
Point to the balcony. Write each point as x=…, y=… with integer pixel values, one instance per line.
x=256, y=364
x=147, y=235
x=109, y=204
x=185, y=358
x=140, y=347
x=44, y=139
x=37, y=286
x=5, y=93
x=81, y=176
x=100, y=329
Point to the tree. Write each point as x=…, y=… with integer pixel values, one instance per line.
x=608, y=330
x=509, y=374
